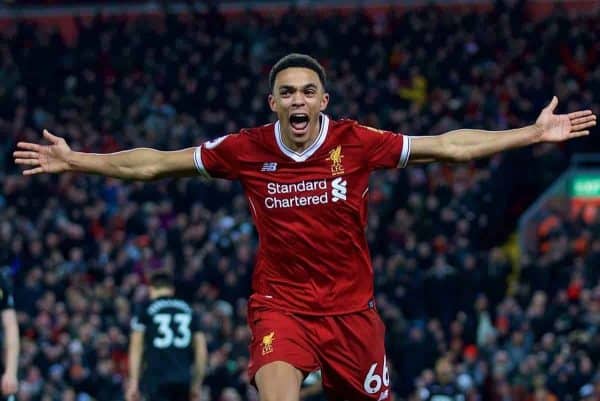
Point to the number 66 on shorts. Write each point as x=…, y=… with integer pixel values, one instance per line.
x=373, y=381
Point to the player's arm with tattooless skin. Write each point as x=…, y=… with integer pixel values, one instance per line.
x=142, y=164
x=136, y=349
x=200, y=361
x=9, y=382
x=468, y=144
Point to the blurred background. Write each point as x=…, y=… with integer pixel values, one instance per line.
x=493, y=266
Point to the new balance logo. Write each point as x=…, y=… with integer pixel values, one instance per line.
x=339, y=189
x=269, y=167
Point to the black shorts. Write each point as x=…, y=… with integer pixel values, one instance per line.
x=168, y=392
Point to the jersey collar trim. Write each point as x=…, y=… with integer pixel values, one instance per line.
x=308, y=152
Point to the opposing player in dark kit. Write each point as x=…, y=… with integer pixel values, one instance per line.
x=167, y=350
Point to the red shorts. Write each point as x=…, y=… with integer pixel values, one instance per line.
x=349, y=349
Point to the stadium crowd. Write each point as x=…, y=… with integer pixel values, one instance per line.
x=78, y=248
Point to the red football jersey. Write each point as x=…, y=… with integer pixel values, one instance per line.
x=309, y=208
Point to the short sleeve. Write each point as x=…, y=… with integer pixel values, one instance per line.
x=384, y=149
x=7, y=300
x=195, y=325
x=219, y=158
x=138, y=321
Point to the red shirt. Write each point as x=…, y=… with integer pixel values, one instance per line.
x=310, y=210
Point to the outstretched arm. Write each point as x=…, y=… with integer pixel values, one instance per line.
x=136, y=164
x=468, y=144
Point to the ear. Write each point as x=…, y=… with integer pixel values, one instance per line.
x=324, y=101
x=272, y=103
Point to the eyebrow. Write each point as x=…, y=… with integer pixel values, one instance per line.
x=291, y=87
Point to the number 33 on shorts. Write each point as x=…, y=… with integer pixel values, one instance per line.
x=373, y=381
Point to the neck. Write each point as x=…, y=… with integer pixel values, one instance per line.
x=161, y=292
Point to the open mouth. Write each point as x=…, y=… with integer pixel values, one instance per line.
x=299, y=121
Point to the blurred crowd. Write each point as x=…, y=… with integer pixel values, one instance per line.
x=79, y=247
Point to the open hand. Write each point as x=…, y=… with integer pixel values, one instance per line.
x=51, y=158
x=560, y=127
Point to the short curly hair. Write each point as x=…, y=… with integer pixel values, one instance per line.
x=296, y=60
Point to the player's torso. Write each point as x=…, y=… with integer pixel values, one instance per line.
x=310, y=212
x=324, y=186
x=168, y=336
x=309, y=208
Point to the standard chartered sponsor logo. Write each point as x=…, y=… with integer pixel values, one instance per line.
x=339, y=189
x=295, y=201
x=302, y=186
x=294, y=195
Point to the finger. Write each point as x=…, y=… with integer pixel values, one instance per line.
x=29, y=146
x=578, y=134
x=583, y=120
x=579, y=127
x=33, y=171
x=552, y=105
x=581, y=113
x=28, y=162
x=52, y=138
x=30, y=155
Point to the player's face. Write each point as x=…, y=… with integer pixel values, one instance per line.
x=298, y=97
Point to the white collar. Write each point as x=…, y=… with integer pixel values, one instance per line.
x=308, y=152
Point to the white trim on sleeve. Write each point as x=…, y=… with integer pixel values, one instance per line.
x=405, y=154
x=136, y=325
x=198, y=162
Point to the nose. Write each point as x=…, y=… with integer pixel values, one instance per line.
x=298, y=99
